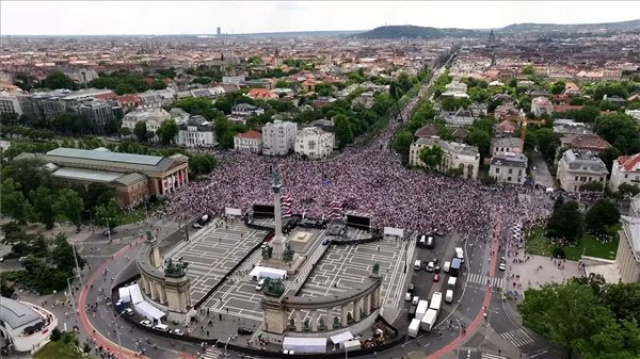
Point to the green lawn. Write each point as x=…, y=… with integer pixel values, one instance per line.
x=588, y=245
x=58, y=350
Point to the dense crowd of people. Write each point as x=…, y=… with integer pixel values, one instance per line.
x=365, y=179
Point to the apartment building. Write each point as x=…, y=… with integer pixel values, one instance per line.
x=9, y=104
x=509, y=167
x=196, y=132
x=456, y=156
x=314, y=143
x=625, y=169
x=578, y=167
x=278, y=138
x=250, y=141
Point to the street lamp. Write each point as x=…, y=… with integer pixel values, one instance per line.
x=75, y=257
x=115, y=324
x=71, y=298
x=225, y=346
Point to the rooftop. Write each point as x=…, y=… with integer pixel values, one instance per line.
x=105, y=156
x=510, y=159
x=17, y=314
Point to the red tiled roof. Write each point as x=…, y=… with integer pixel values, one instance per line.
x=128, y=98
x=106, y=96
x=565, y=108
x=426, y=131
x=629, y=163
x=506, y=126
x=252, y=135
x=586, y=141
x=260, y=93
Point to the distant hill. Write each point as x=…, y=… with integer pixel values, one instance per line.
x=299, y=34
x=414, y=32
x=432, y=33
x=615, y=26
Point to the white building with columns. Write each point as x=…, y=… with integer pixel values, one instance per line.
x=456, y=156
x=278, y=137
x=314, y=143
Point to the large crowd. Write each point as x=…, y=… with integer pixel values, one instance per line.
x=365, y=179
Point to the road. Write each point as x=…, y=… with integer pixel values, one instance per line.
x=541, y=172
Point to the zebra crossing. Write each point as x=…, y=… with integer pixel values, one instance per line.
x=517, y=337
x=210, y=354
x=473, y=354
x=491, y=356
x=484, y=280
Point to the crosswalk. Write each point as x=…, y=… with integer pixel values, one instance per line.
x=491, y=356
x=210, y=354
x=484, y=280
x=473, y=354
x=517, y=337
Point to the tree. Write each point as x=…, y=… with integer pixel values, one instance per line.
x=28, y=173
x=69, y=206
x=566, y=222
x=124, y=132
x=592, y=186
x=603, y=214
x=344, y=132
x=202, y=163
x=58, y=80
x=481, y=139
x=608, y=156
x=558, y=203
x=13, y=201
x=402, y=143
x=281, y=84
x=619, y=130
x=568, y=315
x=43, y=201
x=528, y=70
x=140, y=131
x=558, y=87
x=623, y=299
x=628, y=189
x=168, y=131
x=108, y=214
x=432, y=156
x=63, y=257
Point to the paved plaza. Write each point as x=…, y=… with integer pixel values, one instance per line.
x=538, y=271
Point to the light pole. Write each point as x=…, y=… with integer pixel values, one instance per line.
x=75, y=257
x=71, y=298
x=146, y=212
x=225, y=346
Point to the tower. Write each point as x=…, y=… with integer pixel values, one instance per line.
x=279, y=242
x=492, y=38
x=218, y=31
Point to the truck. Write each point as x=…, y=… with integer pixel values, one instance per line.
x=423, y=305
x=456, y=264
x=428, y=320
x=259, y=273
x=414, y=327
x=436, y=301
x=448, y=298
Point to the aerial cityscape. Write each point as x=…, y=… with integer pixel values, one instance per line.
x=313, y=179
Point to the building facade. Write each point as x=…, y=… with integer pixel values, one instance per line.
x=626, y=169
x=540, y=105
x=98, y=113
x=509, y=167
x=456, y=156
x=506, y=145
x=314, y=143
x=250, y=141
x=9, y=104
x=196, y=132
x=578, y=167
x=628, y=254
x=278, y=137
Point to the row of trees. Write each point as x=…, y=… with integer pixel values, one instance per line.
x=568, y=223
x=126, y=82
x=586, y=316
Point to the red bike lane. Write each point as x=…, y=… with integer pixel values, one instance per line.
x=477, y=321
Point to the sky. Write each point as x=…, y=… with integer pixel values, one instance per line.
x=19, y=17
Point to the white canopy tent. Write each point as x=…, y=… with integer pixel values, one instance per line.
x=341, y=338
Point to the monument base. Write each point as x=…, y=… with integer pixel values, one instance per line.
x=291, y=268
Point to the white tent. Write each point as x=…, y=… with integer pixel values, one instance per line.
x=123, y=294
x=305, y=345
x=149, y=311
x=135, y=293
x=341, y=338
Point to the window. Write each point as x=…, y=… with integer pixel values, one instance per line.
x=583, y=179
x=510, y=171
x=576, y=178
x=519, y=172
x=509, y=178
x=497, y=170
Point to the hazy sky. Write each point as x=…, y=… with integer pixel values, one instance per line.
x=200, y=17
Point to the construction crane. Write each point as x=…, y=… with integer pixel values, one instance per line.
x=523, y=122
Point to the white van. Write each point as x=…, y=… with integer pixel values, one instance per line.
x=449, y=296
x=417, y=265
x=447, y=266
x=161, y=327
x=423, y=241
x=260, y=284
x=460, y=254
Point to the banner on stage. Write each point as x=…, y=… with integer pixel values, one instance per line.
x=232, y=211
x=390, y=231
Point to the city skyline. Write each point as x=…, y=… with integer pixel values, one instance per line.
x=197, y=17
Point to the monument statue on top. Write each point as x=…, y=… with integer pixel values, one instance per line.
x=279, y=242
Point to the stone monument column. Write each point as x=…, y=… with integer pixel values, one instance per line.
x=279, y=242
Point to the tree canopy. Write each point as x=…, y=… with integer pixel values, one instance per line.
x=432, y=156
x=603, y=214
x=566, y=222
x=620, y=130
x=58, y=80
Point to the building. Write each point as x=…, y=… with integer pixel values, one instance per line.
x=578, y=167
x=540, y=105
x=232, y=80
x=152, y=118
x=22, y=327
x=129, y=102
x=633, y=113
x=456, y=156
x=314, y=143
x=80, y=75
x=278, y=138
x=509, y=167
x=506, y=145
x=585, y=141
x=245, y=109
x=626, y=169
x=196, y=132
x=9, y=104
x=132, y=176
x=628, y=255
x=456, y=89
x=250, y=141
x=459, y=118
x=98, y=113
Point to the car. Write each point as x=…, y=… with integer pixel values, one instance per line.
x=435, y=261
x=260, y=284
x=429, y=267
x=411, y=288
x=436, y=269
x=177, y=331
x=1, y=259
x=146, y=323
x=22, y=259
x=415, y=300
x=161, y=327
x=407, y=296
x=128, y=311
x=109, y=232
x=244, y=331
x=502, y=266
x=197, y=225
x=436, y=277
x=326, y=242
